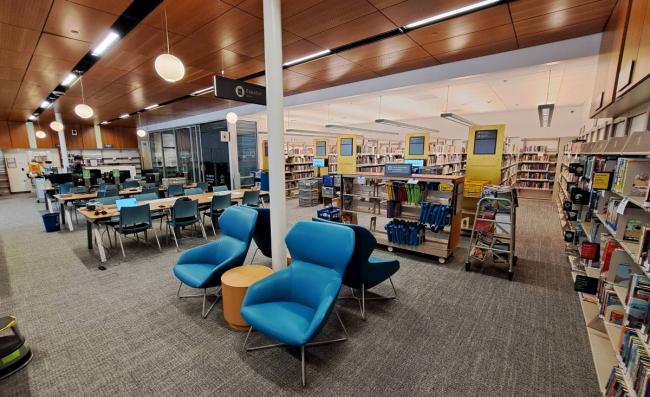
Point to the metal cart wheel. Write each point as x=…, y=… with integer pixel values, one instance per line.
x=442, y=260
x=390, y=249
x=511, y=275
x=467, y=266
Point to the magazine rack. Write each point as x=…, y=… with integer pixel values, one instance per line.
x=493, y=232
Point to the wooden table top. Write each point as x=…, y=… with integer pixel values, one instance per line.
x=245, y=276
x=161, y=204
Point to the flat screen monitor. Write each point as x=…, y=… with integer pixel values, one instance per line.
x=59, y=179
x=124, y=175
x=318, y=162
x=127, y=202
x=321, y=148
x=415, y=162
x=485, y=142
x=346, y=146
x=416, y=145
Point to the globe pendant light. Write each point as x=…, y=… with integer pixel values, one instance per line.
x=231, y=117
x=169, y=67
x=40, y=134
x=56, y=126
x=82, y=110
x=140, y=132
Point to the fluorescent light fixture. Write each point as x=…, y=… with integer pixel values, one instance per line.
x=45, y=104
x=125, y=115
x=103, y=46
x=155, y=105
x=307, y=57
x=406, y=125
x=105, y=122
x=69, y=79
x=359, y=129
x=451, y=13
x=201, y=91
x=545, y=114
x=32, y=117
x=457, y=119
x=310, y=132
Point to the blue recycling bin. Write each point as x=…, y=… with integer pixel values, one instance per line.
x=51, y=222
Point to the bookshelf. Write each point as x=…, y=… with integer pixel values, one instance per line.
x=370, y=199
x=448, y=156
x=106, y=158
x=297, y=167
x=4, y=178
x=536, y=169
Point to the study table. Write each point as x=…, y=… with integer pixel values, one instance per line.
x=94, y=235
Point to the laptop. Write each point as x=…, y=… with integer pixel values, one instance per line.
x=127, y=202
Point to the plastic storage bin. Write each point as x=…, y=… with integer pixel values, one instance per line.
x=51, y=222
x=329, y=213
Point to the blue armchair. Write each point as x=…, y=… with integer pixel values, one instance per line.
x=292, y=305
x=202, y=267
x=366, y=271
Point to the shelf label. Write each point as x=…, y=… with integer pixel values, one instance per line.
x=621, y=206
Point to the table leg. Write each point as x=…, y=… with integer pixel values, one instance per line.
x=62, y=210
x=98, y=241
x=68, y=218
x=48, y=204
x=89, y=234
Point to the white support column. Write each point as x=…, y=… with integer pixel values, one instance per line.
x=31, y=135
x=62, y=145
x=233, y=160
x=275, y=116
x=98, y=137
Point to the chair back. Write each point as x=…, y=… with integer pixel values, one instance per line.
x=262, y=232
x=106, y=200
x=101, y=185
x=79, y=190
x=203, y=186
x=331, y=245
x=185, y=209
x=66, y=187
x=251, y=197
x=132, y=216
x=220, y=188
x=146, y=197
x=193, y=190
x=220, y=202
x=107, y=193
x=238, y=223
x=149, y=185
x=364, y=244
x=130, y=184
x=174, y=190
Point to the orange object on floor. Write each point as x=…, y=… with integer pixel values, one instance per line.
x=234, y=284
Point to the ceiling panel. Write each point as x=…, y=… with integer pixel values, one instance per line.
x=115, y=7
x=556, y=20
x=481, y=20
x=317, y=66
x=186, y=16
x=379, y=48
x=147, y=41
x=524, y=9
x=415, y=10
x=17, y=39
x=326, y=15
x=14, y=59
x=253, y=45
x=78, y=22
x=63, y=48
x=12, y=74
x=399, y=61
x=30, y=96
x=358, y=29
x=220, y=60
x=30, y=14
x=297, y=49
x=562, y=33
x=243, y=69
x=384, y=3
x=478, y=51
x=48, y=71
x=457, y=43
x=289, y=7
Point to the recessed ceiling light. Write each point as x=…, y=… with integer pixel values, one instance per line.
x=451, y=13
x=552, y=63
x=155, y=105
x=69, y=79
x=32, y=117
x=308, y=57
x=103, y=46
x=125, y=115
x=45, y=104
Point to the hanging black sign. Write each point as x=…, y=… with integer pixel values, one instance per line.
x=240, y=91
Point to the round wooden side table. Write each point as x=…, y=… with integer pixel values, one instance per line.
x=234, y=284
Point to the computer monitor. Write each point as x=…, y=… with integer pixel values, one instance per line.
x=416, y=145
x=346, y=146
x=485, y=142
x=318, y=162
x=127, y=202
x=59, y=179
x=415, y=162
x=124, y=175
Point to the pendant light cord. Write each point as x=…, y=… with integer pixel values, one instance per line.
x=548, y=87
x=83, y=98
x=166, y=28
x=447, y=100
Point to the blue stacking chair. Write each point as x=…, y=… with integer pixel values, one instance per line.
x=156, y=214
x=262, y=233
x=185, y=212
x=130, y=184
x=66, y=188
x=251, y=198
x=292, y=305
x=175, y=190
x=220, y=188
x=202, y=267
x=366, y=271
x=203, y=186
x=219, y=203
x=134, y=220
x=150, y=188
x=193, y=190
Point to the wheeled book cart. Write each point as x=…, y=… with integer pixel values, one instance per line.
x=494, y=230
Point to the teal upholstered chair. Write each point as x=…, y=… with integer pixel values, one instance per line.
x=292, y=305
x=202, y=267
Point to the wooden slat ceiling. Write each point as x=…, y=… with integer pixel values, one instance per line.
x=41, y=40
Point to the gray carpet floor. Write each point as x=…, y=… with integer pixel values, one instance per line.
x=451, y=333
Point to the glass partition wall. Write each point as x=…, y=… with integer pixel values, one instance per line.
x=196, y=152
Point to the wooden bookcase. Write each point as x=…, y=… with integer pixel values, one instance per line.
x=364, y=201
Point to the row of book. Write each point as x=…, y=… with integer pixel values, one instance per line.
x=535, y=175
x=534, y=185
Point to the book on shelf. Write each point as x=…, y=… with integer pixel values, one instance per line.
x=638, y=296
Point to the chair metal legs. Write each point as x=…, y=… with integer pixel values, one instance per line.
x=254, y=253
x=363, y=299
x=302, y=348
x=119, y=236
x=204, y=313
